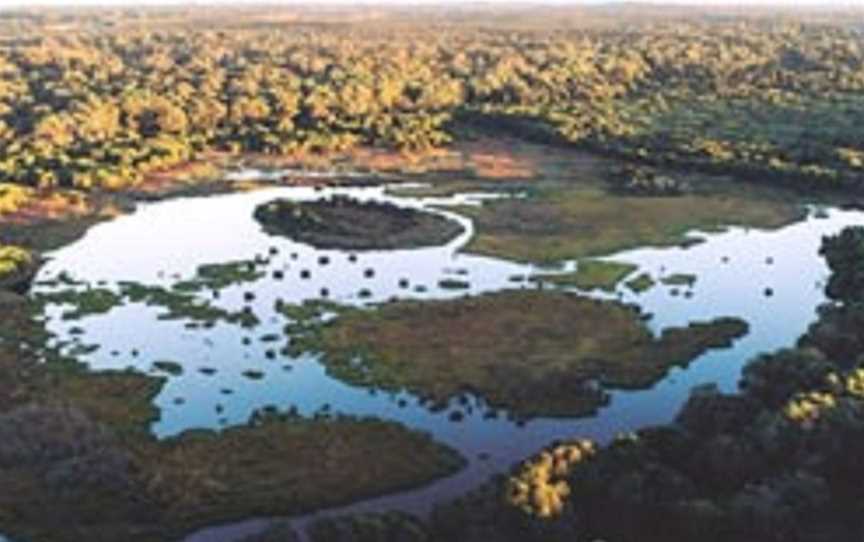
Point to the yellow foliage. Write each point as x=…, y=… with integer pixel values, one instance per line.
x=806, y=408
x=13, y=197
x=540, y=488
x=13, y=259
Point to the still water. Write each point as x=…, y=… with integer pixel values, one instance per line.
x=771, y=279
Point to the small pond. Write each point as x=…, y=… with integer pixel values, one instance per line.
x=771, y=279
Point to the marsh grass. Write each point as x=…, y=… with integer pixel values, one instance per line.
x=536, y=353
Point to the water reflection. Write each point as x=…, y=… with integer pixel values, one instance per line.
x=229, y=372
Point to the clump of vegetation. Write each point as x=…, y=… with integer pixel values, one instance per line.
x=17, y=266
x=346, y=223
x=540, y=488
x=220, y=276
x=170, y=367
x=536, y=353
x=679, y=279
x=641, y=283
x=13, y=197
x=82, y=302
x=590, y=275
x=454, y=284
x=844, y=254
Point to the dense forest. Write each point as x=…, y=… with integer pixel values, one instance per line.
x=88, y=102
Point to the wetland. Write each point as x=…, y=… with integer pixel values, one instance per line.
x=382, y=274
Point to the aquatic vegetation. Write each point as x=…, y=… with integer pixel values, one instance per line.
x=346, y=223
x=581, y=219
x=679, y=279
x=181, y=305
x=590, y=275
x=220, y=276
x=780, y=460
x=252, y=374
x=539, y=488
x=78, y=444
x=642, y=283
x=536, y=353
x=83, y=302
x=171, y=367
x=454, y=284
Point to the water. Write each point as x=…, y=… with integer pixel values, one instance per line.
x=163, y=243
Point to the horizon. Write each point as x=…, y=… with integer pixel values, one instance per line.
x=733, y=4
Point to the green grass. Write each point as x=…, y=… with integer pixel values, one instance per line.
x=591, y=275
x=641, y=284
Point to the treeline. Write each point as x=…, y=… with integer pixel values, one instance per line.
x=102, y=107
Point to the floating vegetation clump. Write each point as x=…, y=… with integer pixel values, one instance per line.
x=591, y=275
x=454, y=284
x=222, y=275
x=679, y=279
x=641, y=283
x=84, y=302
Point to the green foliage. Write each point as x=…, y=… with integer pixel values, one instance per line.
x=844, y=253
x=590, y=275
x=109, y=102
